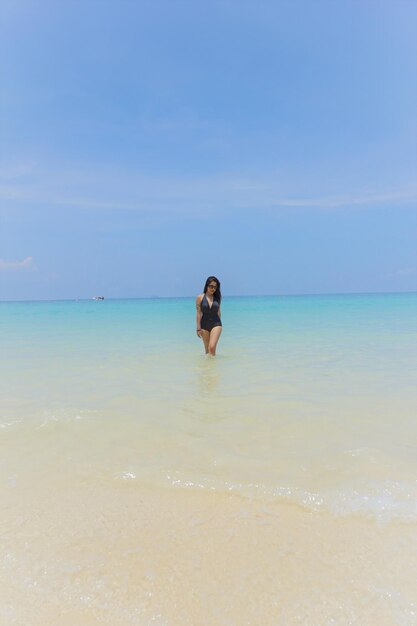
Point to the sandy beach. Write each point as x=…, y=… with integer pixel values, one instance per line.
x=142, y=555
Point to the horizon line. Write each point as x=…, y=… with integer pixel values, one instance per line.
x=266, y=295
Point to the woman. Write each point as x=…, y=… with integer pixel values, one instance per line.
x=209, y=325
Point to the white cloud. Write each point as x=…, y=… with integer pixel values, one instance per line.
x=26, y=264
x=113, y=188
x=361, y=199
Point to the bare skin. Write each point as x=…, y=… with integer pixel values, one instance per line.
x=210, y=338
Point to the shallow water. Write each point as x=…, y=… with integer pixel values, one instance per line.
x=310, y=402
x=310, y=399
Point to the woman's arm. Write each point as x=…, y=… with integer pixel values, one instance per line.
x=199, y=314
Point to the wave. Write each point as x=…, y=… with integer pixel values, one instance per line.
x=380, y=500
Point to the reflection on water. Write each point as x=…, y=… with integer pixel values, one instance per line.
x=207, y=376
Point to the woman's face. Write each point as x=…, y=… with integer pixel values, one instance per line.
x=212, y=286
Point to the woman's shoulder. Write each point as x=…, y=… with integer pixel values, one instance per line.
x=199, y=298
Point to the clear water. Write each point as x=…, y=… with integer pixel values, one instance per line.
x=310, y=400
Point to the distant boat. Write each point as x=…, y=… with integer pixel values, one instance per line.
x=98, y=298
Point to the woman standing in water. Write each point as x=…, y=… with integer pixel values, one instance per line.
x=209, y=325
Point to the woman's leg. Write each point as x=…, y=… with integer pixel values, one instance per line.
x=206, y=339
x=214, y=338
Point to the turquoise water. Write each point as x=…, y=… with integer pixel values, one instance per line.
x=311, y=398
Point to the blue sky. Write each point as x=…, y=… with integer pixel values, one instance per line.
x=148, y=144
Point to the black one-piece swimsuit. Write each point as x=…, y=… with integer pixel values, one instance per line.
x=210, y=317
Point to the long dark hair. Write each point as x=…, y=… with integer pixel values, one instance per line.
x=217, y=294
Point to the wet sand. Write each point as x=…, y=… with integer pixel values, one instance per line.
x=140, y=555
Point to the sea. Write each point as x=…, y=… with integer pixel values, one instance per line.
x=309, y=408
